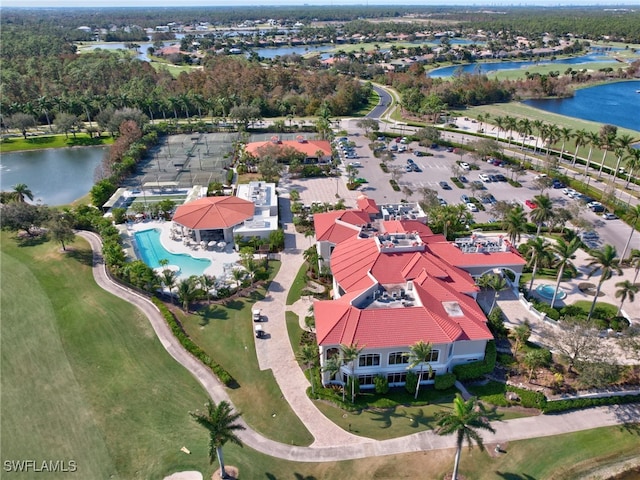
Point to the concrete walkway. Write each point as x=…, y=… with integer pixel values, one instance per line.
x=330, y=444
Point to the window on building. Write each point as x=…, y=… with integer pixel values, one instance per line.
x=435, y=354
x=369, y=360
x=332, y=352
x=399, y=377
x=398, y=358
x=366, y=379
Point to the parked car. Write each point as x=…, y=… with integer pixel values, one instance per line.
x=609, y=216
x=493, y=178
x=355, y=164
x=408, y=168
x=478, y=185
x=465, y=199
x=485, y=178
x=531, y=204
x=472, y=207
x=463, y=179
x=409, y=160
x=569, y=192
x=434, y=146
x=500, y=177
x=488, y=198
x=256, y=315
x=465, y=166
x=557, y=184
x=594, y=204
x=589, y=234
x=597, y=208
x=450, y=149
x=442, y=201
x=445, y=185
x=415, y=167
x=418, y=153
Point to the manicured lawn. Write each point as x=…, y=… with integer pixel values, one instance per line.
x=585, y=305
x=299, y=284
x=226, y=333
x=84, y=377
x=294, y=330
x=51, y=141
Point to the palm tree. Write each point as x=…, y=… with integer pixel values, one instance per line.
x=626, y=289
x=606, y=142
x=565, y=135
x=186, y=292
x=20, y=191
x=500, y=125
x=420, y=353
x=332, y=367
x=497, y=284
x=633, y=217
x=169, y=279
x=607, y=261
x=524, y=129
x=350, y=354
x=622, y=144
x=634, y=261
x=543, y=212
x=537, y=249
x=515, y=223
x=580, y=139
x=464, y=421
x=593, y=140
x=308, y=355
x=207, y=282
x=220, y=421
x=632, y=162
x=538, y=126
x=564, y=253
x=510, y=124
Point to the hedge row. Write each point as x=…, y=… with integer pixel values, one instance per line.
x=177, y=330
x=471, y=371
x=444, y=381
x=579, y=403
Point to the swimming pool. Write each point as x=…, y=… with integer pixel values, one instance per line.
x=547, y=291
x=151, y=252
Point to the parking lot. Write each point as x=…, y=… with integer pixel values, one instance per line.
x=437, y=167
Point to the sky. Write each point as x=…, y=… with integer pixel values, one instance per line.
x=204, y=3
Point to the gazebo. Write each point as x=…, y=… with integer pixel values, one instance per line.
x=213, y=217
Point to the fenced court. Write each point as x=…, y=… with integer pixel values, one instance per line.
x=186, y=160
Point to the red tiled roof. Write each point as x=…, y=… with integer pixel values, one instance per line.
x=308, y=147
x=351, y=262
x=328, y=229
x=214, y=212
x=367, y=204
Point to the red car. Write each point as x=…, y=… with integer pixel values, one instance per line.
x=531, y=204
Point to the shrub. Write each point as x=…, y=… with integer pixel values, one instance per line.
x=384, y=168
x=496, y=323
x=394, y=185
x=229, y=176
x=470, y=371
x=411, y=382
x=447, y=380
x=382, y=384
x=578, y=403
x=178, y=332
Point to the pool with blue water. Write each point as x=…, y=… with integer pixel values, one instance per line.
x=151, y=252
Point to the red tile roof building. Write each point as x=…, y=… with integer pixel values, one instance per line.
x=396, y=283
x=318, y=150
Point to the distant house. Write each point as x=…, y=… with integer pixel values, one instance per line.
x=396, y=283
x=315, y=151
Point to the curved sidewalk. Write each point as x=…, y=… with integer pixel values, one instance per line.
x=334, y=449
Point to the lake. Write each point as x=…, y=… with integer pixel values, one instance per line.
x=55, y=176
x=613, y=103
x=486, y=68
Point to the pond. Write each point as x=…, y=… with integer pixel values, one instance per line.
x=613, y=103
x=485, y=68
x=54, y=176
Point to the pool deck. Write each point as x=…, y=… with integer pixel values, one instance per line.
x=219, y=257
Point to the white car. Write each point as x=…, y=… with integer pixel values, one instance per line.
x=472, y=207
x=609, y=216
x=570, y=192
x=485, y=178
x=594, y=204
x=465, y=166
x=355, y=164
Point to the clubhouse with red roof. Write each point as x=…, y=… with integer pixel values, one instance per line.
x=396, y=283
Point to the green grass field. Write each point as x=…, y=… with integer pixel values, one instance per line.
x=17, y=144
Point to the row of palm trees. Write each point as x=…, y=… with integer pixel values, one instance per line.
x=550, y=134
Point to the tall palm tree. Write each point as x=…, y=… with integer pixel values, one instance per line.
x=510, y=124
x=564, y=252
x=220, y=422
x=515, y=224
x=632, y=162
x=593, y=140
x=463, y=421
x=538, y=126
x=187, y=292
x=308, y=355
x=207, y=282
x=565, y=135
x=634, y=261
x=633, y=217
x=538, y=253
x=350, y=354
x=626, y=289
x=497, y=284
x=500, y=123
x=169, y=279
x=419, y=354
x=608, y=262
x=524, y=129
x=580, y=139
x=622, y=144
x=543, y=212
x=20, y=191
x=606, y=142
